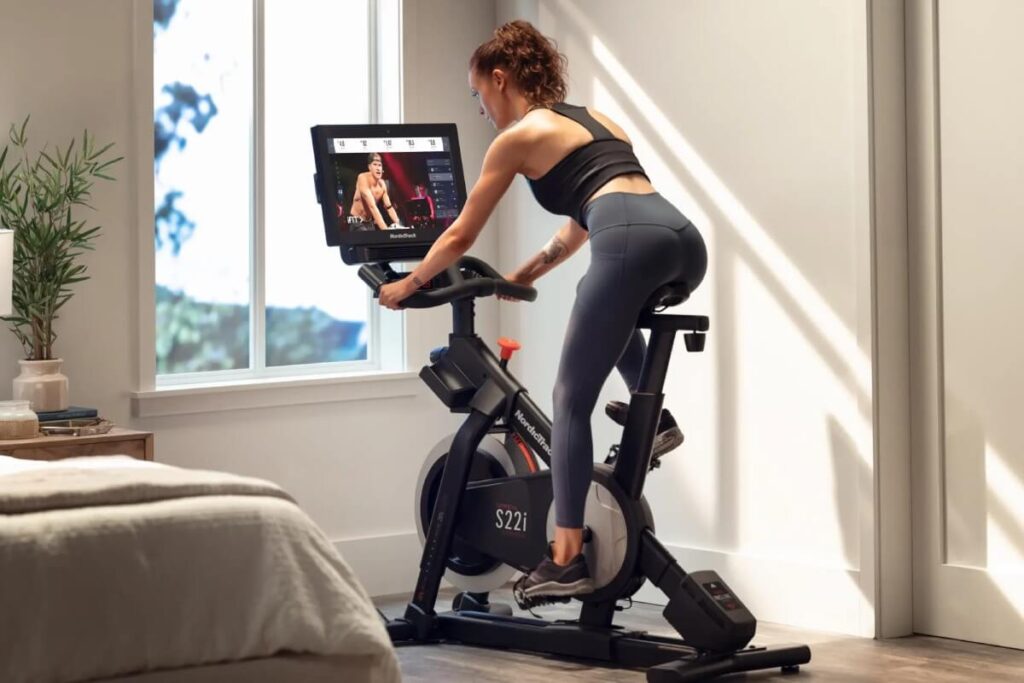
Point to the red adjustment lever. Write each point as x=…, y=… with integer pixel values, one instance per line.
x=508, y=347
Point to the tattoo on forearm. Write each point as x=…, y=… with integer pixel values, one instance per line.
x=416, y=281
x=553, y=250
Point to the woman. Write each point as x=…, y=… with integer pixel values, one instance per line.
x=581, y=164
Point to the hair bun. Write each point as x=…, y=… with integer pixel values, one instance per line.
x=532, y=59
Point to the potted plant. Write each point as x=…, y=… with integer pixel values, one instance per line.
x=40, y=200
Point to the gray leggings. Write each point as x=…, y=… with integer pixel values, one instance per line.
x=637, y=244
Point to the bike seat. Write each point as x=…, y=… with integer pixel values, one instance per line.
x=672, y=294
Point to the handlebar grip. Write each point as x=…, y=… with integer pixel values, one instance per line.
x=502, y=286
x=374, y=276
x=516, y=291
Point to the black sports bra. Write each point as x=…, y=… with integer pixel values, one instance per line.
x=566, y=188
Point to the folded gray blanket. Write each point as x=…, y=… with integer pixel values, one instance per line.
x=62, y=486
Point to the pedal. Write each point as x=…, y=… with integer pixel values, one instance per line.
x=479, y=602
x=613, y=455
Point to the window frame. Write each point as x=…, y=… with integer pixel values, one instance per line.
x=387, y=334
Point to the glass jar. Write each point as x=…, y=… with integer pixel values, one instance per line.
x=17, y=420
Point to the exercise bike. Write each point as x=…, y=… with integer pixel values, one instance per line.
x=484, y=508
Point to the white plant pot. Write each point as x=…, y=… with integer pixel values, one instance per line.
x=42, y=384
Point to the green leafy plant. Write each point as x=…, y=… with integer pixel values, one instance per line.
x=36, y=201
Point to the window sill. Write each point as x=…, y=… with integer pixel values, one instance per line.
x=272, y=392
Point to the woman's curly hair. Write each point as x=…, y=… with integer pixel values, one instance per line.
x=533, y=60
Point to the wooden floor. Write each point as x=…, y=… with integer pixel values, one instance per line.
x=834, y=658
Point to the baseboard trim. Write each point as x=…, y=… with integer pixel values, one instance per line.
x=782, y=591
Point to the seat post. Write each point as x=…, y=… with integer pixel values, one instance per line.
x=634, y=459
x=655, y=367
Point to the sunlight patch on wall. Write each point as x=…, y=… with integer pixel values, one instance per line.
x=817, y=309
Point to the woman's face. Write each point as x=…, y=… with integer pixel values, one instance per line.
x=491, y=91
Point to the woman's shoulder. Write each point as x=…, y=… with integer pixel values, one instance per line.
x=549, y=121
x=537, y=126
x=509, y=148
x=522, y=134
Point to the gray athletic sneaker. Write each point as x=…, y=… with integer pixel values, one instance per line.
x=550, y=582
x=668, y=438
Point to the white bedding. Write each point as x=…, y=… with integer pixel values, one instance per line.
x=127, y=566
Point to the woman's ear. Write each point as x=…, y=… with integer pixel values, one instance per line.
x=499, y=79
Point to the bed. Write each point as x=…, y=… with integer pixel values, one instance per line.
x=116, y=569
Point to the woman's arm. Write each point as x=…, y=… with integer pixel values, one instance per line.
x=566, y=242
x=501, y=163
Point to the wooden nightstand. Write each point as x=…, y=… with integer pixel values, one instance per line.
x=117, y=441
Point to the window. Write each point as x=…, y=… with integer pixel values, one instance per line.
x=245, y=286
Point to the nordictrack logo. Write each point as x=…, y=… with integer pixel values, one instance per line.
x=532, y=431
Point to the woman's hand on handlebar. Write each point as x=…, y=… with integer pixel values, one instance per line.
x=391, y=295
x=518, y=279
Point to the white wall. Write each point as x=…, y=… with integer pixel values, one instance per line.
x=351, y=464
x=754, y=119
x=69, y=66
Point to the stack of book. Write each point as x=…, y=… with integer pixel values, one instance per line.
x=70, y=413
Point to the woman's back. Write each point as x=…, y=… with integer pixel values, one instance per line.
x=572, y=155
x=554, y=136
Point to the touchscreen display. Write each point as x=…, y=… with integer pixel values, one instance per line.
x=381, y=185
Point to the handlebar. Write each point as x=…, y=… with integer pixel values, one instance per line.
x=482, y=280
